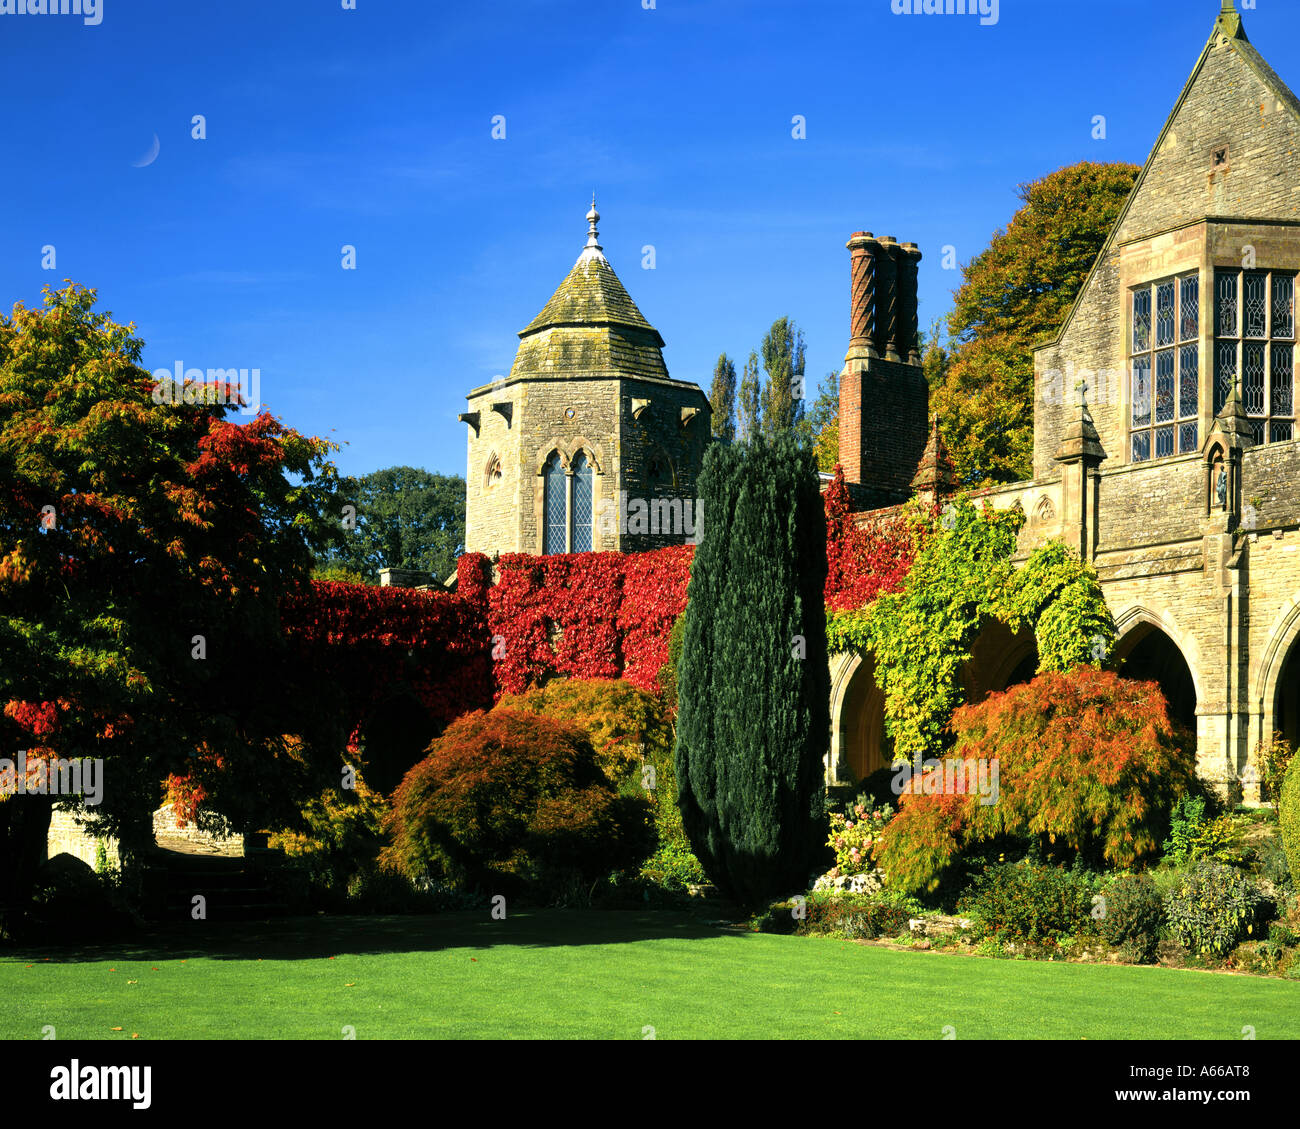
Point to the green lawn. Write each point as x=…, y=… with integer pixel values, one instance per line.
x=605, y=975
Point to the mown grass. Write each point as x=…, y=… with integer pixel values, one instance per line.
x=605, y=975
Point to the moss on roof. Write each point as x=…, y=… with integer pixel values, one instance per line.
x=591, y=295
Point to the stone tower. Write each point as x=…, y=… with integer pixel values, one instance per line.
x=588, y=444
x=884, y=401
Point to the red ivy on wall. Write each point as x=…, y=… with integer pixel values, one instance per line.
x=582, y=615
x=365, y=644
x=579, y=615
x=864, y=559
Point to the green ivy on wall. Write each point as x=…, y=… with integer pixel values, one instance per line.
x=922, y=636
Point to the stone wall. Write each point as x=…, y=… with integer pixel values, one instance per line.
x=1151, y=503
x=632, y=431
x=166, y=832
x=1235, y=99
x=661, y=450
x=67, y=836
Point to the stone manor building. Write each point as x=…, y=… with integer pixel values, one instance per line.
x=1165, y=448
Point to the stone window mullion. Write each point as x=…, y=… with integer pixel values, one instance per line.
x=1268, y=352
x=568, y=510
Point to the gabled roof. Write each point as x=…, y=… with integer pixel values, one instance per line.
x=1228, y=26
x=591, y=295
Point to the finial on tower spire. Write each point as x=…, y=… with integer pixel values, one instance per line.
x=593, y=249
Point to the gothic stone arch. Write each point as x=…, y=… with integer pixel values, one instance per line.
x=1127, y=636
x=1137, y=629
x=1267, y=688
x=858, y=744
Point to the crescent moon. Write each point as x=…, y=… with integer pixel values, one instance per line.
x=151, y=156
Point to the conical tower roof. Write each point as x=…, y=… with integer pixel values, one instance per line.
x=590, y=327
x=592, y=294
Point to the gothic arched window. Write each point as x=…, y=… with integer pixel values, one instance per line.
x=1164, y=367
x=582, y=514
x=555, y=486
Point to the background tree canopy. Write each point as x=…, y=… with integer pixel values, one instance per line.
x=144, y=551
x=1014, y=295
x=406, y=517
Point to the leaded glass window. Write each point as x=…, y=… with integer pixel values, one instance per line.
x=1283, y=380
x=1189, y=327
x=1283, y=306
x=1256, y=306
x=1141, y=391
x=555, y=484
x=1225, y=373
x=1141, y=321
x=1257, y=351
x=1252, y=379
x=1165, y=314
x=582, y=513
x=1164, y=386
x=1226, y=285
x=1164, y=391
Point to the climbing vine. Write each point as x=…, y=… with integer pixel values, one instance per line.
x=963, y=575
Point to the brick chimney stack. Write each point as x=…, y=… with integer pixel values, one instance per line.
x=887, y=299
x=884, y=401
x=909, y=260
x=862, y=298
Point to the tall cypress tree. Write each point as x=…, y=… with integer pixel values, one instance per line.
x=753, y=684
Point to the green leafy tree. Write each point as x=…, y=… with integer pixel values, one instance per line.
x=1014, y=295
x=144, y=550
x=820, y=426
x=722, y=398
x=750, y=410
x=783, y=352
x=405, y=518
x=936, y=357
x=753, y=681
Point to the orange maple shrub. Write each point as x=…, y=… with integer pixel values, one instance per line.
x=511, y=799
x=1085, y=759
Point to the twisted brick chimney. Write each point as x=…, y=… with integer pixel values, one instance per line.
x=884, y=402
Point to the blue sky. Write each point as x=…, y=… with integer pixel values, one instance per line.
x=372, y=127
